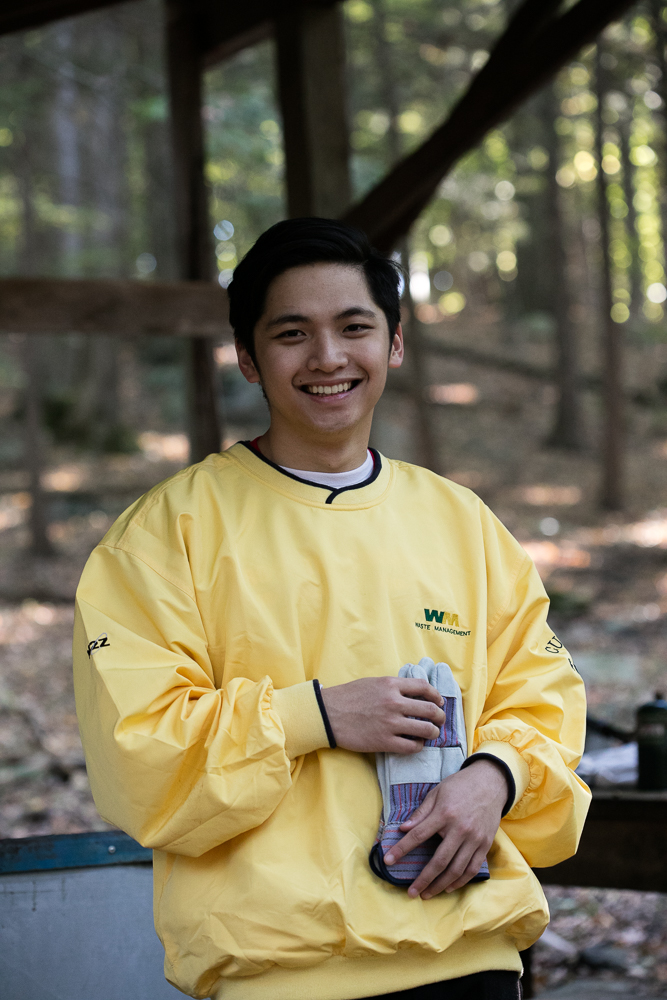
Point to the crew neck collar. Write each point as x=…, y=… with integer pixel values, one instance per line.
x=363, y=494
x=337, y=480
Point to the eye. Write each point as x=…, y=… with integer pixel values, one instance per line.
x=289, y=334
x=357, y=328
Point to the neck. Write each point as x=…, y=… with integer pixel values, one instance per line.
x=324, y=455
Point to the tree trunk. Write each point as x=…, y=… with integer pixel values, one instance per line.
x=660, y=32
x=66, y=145
x=97, y=410
x=568, y=429
x=612, y=337
x=159, y=201
x=34, y=450
x=636, y=294
x=416, y=355
x=33, y=456
x=427, y=446
x=389, y=95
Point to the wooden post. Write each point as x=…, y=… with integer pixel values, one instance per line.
x=311, y=85
x=613, y=408
x=195, y=255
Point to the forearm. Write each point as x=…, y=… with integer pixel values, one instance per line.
x=183, y=769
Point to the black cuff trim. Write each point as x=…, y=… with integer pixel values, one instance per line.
x=325, y=717
x=509, y=777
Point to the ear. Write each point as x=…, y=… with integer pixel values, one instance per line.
x=397, y=348
x=246, y=364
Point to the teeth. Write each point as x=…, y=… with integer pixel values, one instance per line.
x=329, y=390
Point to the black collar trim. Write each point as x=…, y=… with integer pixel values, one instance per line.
x=377, y=468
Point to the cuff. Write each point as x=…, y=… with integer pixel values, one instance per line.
x=301, y=719
x=515, y=767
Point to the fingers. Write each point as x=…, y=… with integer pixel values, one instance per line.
x=418, y=728
x=449, y=856
x=427, y=827
x=421, y=812
x=449, y=881
x=415, y=708
x=401, y=744
x=414, y=687
x=448, y=865
x=476, y=862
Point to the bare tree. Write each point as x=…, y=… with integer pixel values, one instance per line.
x=612, y=491
x=568, y=428
x=627, y=176
x=427, y=447
x=33, y=443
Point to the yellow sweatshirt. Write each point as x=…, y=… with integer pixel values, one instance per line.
x=202, y=618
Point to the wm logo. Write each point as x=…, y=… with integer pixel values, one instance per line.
x=441, y=617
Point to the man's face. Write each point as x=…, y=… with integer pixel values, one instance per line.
x=323, y=350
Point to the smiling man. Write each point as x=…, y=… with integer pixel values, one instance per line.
x=255, y=611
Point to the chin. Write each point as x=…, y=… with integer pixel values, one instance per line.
x=335, y=423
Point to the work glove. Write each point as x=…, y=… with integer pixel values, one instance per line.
x=406, y=779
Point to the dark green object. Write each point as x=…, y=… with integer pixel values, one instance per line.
x=652, y=745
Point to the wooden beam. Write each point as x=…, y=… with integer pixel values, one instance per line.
x=23, y=15
x=229, y=27
x=116, y=308
x=528, y=54
x=311, y=84
x=216, y=47
x=193, y=225
x=622, y=846
x=225, y=27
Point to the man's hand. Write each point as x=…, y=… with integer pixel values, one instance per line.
x=377, y=714
x=465, y=809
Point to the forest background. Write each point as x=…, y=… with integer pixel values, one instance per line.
x=553, y=228
x=511, y=244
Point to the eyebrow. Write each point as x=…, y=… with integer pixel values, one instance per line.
x=299, y=318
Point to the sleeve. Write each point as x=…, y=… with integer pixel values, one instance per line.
x=534, y=717
x=178, y=763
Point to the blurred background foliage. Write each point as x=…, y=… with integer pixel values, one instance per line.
x=85, y=186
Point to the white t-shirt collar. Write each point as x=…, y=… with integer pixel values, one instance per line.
x=336, y=480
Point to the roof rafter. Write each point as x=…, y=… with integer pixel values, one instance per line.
x=535, y=45
x=225, y=27
x=228, y=28
x=22, y=15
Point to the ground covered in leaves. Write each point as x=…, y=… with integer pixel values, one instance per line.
x=607, y=575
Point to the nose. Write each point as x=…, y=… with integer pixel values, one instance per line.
x=328, y=353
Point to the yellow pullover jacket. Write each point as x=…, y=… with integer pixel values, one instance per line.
x=202, y=618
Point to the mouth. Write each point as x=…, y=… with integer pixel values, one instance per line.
x=337, y=389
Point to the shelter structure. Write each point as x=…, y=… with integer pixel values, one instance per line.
x=538, y=40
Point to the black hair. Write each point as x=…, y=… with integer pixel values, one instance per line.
x=298, y=242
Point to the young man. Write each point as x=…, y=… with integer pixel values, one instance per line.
x=238, y=639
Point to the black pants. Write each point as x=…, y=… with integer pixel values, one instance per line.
x=479, y=986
